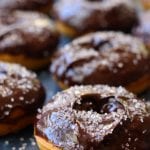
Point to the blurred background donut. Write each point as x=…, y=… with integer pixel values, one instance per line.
x=28, y=38
x=111, y=58
x=37, y=5
x=21, y=94
x=76, y=17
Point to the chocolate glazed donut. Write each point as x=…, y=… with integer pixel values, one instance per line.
x=76, y=17
x=21, y=94
x=38, y=5
x=103, y=58
x=94, y=118
x=28, y=38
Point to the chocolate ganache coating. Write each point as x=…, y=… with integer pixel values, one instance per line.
x=95, y=117
x=88, y=15
x=101, y=58
x=24, y=4
x=27, y=33
x=19, y=88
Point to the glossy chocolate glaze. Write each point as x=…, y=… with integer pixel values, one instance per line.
x=142, y=30
x=27, y=33
x=87, y=15
x=19, y=89
x=101, y=58
x=24, y=4
x=95, y=117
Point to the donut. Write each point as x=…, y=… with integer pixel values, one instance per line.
x=27, y=38
x=142, y=30
x=92, y=118
x=37, y=5
x=76, y=17
x=21, y=94
x=111, y=58
x=146, y=4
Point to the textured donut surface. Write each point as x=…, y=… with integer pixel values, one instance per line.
x=88, y=15
x=27, y=33
x=102, y=58
x=19, y=89
x=95, y=117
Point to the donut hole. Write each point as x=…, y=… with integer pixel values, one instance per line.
x=100, y=105
x=110, y=104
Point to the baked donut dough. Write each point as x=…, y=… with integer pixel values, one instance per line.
x=21, y=94
x=103, y=58
x=28, y=38
x=142, y=30
x=38, y=5
x=94, y=118
x=76, y=17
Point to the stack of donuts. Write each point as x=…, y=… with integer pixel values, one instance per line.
x=102, y=71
